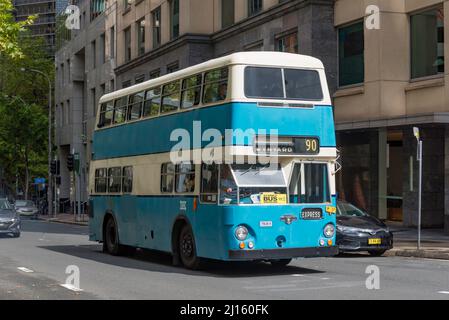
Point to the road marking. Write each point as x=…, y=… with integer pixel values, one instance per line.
x=26, y=270
x=71, y=287
x=271, y=287
x=443, y=292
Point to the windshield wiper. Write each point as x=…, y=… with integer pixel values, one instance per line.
x=247, y=170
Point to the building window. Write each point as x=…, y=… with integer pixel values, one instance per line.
x=167, y=177
x=94, y=54
x=156, y=17
x=112, y=42
x=141, y=36
x=427, y=43
x=185, y=178
x=93, y=96
x=139, y=79
x=174, y=19
x=155, y=74
x=96, y=8
x=112, y=85
x=126, y=84
x=254, y=7
x=172, y=67
x=102, y=49
x=351, y=57
x=227, y=13
x=127, y=180
x=127, y=44
x=114, y=180
x=127, y=4
x=288, y=43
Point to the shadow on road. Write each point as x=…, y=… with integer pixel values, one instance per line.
x=156, y=261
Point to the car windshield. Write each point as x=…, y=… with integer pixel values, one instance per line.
x=24, y=203
x=347, y=209
x=4, y=205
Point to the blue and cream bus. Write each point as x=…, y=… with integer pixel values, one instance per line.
x=273, y=210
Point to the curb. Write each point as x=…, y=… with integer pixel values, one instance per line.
x=84, y=224
x=425, y=254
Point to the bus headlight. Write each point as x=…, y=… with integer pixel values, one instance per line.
x=241, y=233
x=329, y=230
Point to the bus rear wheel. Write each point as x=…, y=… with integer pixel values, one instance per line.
x=111, y=242
x=280, y=262
x=187, y=249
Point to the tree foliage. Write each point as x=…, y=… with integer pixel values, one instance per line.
x=10, y=30
x=23, y=102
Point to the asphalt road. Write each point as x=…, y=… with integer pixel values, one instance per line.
x=45, y=250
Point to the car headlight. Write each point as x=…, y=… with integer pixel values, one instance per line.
x=241, y=233
x=329, y=230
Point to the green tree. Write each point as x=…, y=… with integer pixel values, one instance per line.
x=10, y=30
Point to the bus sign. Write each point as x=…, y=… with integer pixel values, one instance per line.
x=295, y=146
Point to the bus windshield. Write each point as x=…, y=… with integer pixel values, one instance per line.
x=277, y=83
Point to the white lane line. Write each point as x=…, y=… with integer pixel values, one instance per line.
x=71, y=287
x=26, y=270
x=271, y=287
x=316, y=288
x=443, y=292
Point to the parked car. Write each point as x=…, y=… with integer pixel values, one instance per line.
x=26, y=208
x=359, y=231
x=9, y=219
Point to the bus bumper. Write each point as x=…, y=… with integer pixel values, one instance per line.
x=272, y=254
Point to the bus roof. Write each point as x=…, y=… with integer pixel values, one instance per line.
x=262, y=58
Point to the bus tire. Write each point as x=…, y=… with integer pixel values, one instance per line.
x=280, y=263
x=187, y=249
x=111, y=243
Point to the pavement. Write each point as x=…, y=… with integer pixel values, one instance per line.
x=68, y=218
x=47, y=255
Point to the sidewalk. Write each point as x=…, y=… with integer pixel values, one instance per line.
x=67, y=218
x=434, y=243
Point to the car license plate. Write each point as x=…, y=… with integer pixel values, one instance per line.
x=312, y=214
x=273, y=198
x=374, y=241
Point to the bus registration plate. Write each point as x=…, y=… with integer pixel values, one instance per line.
x=273, y=198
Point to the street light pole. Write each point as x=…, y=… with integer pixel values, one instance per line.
x=50, y=144
x=418, y=138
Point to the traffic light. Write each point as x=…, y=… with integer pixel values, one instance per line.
x=53, y=166
x=70, y=162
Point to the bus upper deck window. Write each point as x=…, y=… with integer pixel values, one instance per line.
x=120, y=108
x=135, y=106
x=215, y=86
x=191, y=91
x=106, y=114
x=152, y=102
x=170, y=97
x=263, y=83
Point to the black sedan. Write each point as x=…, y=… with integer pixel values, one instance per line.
x=9, y=219
x=358, y=231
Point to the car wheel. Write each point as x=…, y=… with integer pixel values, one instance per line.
x=111, y=239
x=187, y=249
x=280, y=262
x=377, y=253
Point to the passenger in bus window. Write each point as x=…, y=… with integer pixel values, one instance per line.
x=222, y=91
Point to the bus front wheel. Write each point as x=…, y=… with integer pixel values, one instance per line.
x=187, y=249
